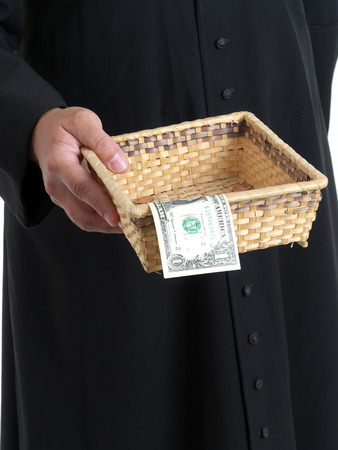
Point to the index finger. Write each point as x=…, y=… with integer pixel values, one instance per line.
x=87, y=128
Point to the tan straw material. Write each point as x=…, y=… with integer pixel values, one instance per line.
x=211, y=156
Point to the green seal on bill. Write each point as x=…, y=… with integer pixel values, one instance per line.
x=191, y=225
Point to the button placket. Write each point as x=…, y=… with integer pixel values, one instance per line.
x=251, y=307
x=254, y=311
x=253, y=339
x=220, y=44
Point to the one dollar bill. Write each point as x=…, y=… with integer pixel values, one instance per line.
x=195, y=236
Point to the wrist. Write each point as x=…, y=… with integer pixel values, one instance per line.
x=40, y=124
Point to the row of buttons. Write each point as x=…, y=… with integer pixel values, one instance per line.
x=220, y=43
x=253, y=339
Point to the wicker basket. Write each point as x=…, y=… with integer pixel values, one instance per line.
x=207, y=157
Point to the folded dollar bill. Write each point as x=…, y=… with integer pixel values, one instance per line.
x=195, y=236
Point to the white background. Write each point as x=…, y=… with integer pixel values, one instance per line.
x=333, y=138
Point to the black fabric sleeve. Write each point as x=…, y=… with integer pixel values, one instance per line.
x=322, y=18
x=24, y=97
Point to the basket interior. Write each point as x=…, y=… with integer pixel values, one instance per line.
x=203, y=161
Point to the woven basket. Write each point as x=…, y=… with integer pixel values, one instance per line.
x=207, y=157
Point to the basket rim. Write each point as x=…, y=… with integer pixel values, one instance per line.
x=318, y=180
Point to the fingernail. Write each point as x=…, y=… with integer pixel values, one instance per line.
x=119, y=162
x=110, y=219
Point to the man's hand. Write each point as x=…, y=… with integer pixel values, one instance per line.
x=56, y=143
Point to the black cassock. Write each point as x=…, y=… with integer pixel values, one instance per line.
x=97, y=354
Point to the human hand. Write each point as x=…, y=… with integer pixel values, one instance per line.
x=56, y=142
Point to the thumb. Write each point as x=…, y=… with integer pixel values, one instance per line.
x=87, y=128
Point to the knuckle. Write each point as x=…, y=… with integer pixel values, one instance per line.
x=95, y=204
x=83, y=116
x=52, y=163
x=76, y=217
x=55, y=201
x=77, y=188
x=102, y=142
x=98, y=203
x=80, y=115
x=83, y=225
x=93, y=223
x=50, y=187
x=76, y=220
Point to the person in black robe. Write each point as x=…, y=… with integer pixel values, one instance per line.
x=98, y=354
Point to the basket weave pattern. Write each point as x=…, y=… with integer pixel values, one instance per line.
x=211, y=156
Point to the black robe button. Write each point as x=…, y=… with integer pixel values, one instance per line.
x=227, y=93
x=253, y=338
x=264, y=432
x=247, y=289
x=221, y=42
x=258, y=384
